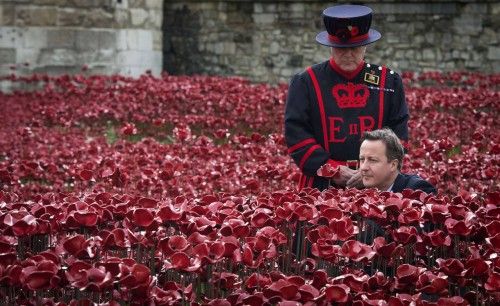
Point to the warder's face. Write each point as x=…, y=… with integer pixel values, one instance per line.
x=348, y=59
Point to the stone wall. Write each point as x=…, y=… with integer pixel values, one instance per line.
x=60, y=36
x=270, y=40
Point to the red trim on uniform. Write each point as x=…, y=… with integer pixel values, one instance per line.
x=301, y=181
x=351, y=40
x=301, y=144
x=321, y=108
x=381, y=98
x=346, y=74
x=311, y=181
x=308, y=153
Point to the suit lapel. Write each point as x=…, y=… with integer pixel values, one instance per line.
x=398, y=183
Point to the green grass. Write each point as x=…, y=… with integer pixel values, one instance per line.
x=110, y=134
x=456, y=150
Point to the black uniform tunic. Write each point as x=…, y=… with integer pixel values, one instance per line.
x=327, y=111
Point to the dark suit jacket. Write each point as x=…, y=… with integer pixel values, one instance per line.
x=413, y=182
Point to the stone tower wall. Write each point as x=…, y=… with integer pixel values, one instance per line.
x=270, y=40
x=61, y=36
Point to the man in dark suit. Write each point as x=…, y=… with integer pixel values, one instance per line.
x=380, y=160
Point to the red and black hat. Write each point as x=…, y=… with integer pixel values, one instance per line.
x=347, y=26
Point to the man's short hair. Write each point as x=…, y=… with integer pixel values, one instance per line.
x=393, y=148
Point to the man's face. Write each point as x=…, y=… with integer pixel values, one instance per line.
x=376, y=170
x=348, y=58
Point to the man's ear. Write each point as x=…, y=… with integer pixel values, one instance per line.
x=394, y=165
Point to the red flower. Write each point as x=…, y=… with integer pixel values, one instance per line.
x=357, y=251
x=170, y=213
x=405, y=234
x=327, y=170
x=493, y=228
x=86, y=218
x=257, y=280
x=320, y=279
x=409, y=216
x=306, y=212
x=355, y=283
x=25, y=226
x=181, y=261
x=76, y=245
x=325, y=250
x=493, y=281
x=457, y=227
x=436, y=213
x=142, y=217
x=128, y=129
x=476, y=267
x=308, y=293
x=437, y=238
x=86, y=174
x=337, y=293
x=135, y=277
x=173, y=244
x=452, y=301
x=432, y=284
x=260, y=218
x=38, y=280
x=451, y=266
x=343, y=228
x=407, y=274
x=285, y=289
x=494, y=241
x=383, y=248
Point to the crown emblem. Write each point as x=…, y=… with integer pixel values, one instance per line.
x=350, y=95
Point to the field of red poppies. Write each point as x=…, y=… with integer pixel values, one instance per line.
x=179, y=191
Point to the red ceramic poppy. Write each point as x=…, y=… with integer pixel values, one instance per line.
x=319, y=279
x=383, y=248
x=337, y=293
x=257, y=280
x=494, y=241
x=25, y=226
x=142, y=217
x=286, y=290
x=357, y=251
x=409, y=216
x=327, y=170
x=451, y=266
x=407, y=274
x=437, y=238
x=173, y=244
x=343, y=228
x=325, y=250
x=76, y=245
x=405, y=234
x=430, y=283
x=86, y=218
x=128, y=129
x=457, y=227
x=476, y=267
x=86, y=174
x=493, y=281
x=452, y=301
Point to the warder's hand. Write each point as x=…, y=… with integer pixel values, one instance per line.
x=343, y=176
x=356, y=181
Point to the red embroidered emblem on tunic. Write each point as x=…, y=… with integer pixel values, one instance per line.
x=350, y=95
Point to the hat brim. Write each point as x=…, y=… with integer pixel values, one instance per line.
x=373, y=35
